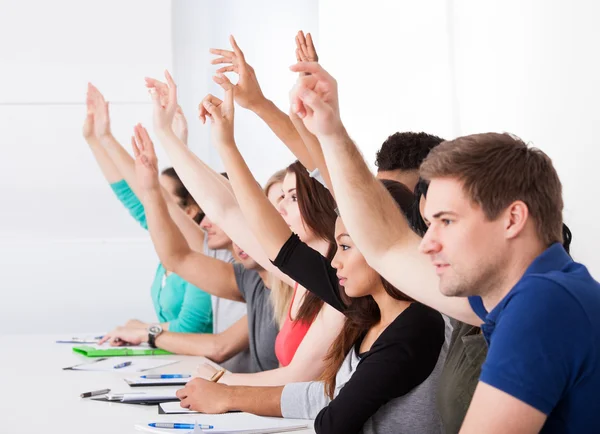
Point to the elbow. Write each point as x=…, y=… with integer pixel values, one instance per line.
x=173, y=261
x=218, y=351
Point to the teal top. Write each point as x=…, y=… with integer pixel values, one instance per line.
x=184, y=306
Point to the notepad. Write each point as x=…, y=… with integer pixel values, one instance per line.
x=138, y=364
x=92, y=339
x=153, y=382
x=232, y=423
x=174, y=408
x=139, y=398
x=108, y=351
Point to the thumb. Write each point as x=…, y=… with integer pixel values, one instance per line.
x=212, y=109
x=311, y=99
x=155, y=98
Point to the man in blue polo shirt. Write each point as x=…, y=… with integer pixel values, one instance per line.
x=494, y=209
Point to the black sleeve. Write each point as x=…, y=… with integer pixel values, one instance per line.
x=311, y=270
x=402, y=358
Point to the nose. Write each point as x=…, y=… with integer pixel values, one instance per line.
x=281, y=207
x=429, y=244
x=205, y=223
x=336, y=261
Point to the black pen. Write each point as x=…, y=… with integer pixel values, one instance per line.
x=95, y=393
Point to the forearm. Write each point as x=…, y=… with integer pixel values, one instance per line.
x=263, y=401
x=109, y=170
x=191, y=344
x=281, y=124
x=264, y=220
x=121, y=160
x=169, y=242
x=314, y=148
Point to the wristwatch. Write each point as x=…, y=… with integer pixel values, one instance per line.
x=154, y=331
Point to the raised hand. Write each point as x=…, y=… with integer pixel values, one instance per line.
x=165, y=101
x=88, y=124
x=99, y=108
x=314, y=98
x=220, y=113
x=146, y=163
x=247, y=91
x=179, y=125
x=305, y=48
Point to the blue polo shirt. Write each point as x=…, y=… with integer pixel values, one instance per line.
x=544, y=342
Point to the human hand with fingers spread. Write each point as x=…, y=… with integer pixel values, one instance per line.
x=314, y=98
x=220, y=113
x=247, y=91
x=146, y=163
x=179, y=125
x=165, y=102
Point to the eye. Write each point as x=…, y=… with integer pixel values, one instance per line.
x=294, y=198
x=446, y=222
x=344, y=247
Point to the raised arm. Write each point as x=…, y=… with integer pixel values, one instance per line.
x=264, y=220
x=210, y=190
x=248, y=94
x=214, y=276
x=372, y=217
x=124, y=164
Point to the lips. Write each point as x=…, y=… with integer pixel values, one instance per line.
x=440, y=268
x=243, y=255
x=342, y=280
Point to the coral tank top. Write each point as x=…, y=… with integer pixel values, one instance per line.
x=290, y=336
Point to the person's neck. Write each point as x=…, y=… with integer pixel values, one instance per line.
x=520, y=258
x=264, y=275
x=389, y=307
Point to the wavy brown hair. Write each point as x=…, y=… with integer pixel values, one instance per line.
x=317, y=208
x=362, y=312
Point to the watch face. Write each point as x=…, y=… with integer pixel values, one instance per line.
x=155, y=329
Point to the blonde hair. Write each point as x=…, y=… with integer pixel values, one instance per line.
x=281, y=292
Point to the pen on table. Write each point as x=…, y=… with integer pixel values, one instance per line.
x=155, y=377
x=122, y=365
x=178, y=425
x=215, y=378
x=95, y=393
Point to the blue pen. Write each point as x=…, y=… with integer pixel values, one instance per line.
x=179, y=425
x=156, y=377
x=122, y=365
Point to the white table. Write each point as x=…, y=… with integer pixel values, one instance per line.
x=37, y=396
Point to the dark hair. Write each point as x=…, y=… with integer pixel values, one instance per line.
x=363, y=312
x=498, y=169
x=182, y=193
x=405, y=151
x=317, y=208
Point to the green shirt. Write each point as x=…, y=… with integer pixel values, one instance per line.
x=184, y=306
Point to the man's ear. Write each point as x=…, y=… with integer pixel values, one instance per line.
x=515, y=218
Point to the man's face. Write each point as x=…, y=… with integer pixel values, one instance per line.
x=217, y=239
x=469, y=251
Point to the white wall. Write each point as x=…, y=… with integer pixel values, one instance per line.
x=265, y=30
x=458, y=67
x=70, y=256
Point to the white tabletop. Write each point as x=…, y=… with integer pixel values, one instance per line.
x=37, y=396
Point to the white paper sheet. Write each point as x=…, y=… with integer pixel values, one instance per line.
x=138, y=364
x=175, y=408
x=137, y=381
x=238, y=423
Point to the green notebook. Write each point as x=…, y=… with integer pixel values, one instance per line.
x=116, y=351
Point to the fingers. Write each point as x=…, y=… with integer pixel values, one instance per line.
x=181, y=393
x=302, y=42
x=236, y=49
x=222, y=60
x=311, y=100
x=136, y=154
x=208, y=101
x=224, y=53
x=312, y=52
x=106, y=336
x=148, y=143
x=172, y=90
x=298, y=56
x=312, y=68
x=230, y=68
x=223, y=81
